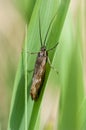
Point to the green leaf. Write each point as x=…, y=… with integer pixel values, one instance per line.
x=82, y=112
x=71, y=76
x=47, y=10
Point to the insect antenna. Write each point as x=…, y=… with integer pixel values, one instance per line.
x=40, y=30
x=49, y=28
x=53, y=47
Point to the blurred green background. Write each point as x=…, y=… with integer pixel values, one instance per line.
x=12, y=32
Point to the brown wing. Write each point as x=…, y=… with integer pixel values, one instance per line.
x=38, y=76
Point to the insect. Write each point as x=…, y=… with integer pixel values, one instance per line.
x=40, y=65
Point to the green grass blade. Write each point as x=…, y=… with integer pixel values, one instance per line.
x=71, y=77
x=52, y=39
x=25, y=7
x=26, y=80
x=47, y=9
x=82, y=112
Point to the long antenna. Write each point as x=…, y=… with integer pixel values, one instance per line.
x=40, y=30
x=53, y=47
x=49, y=28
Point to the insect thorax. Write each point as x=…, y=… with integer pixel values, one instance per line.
x=43, y=52
x=41, y=58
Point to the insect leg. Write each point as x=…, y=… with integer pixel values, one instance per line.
x=53, y=47
x=32, y=52
x=52, y=66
